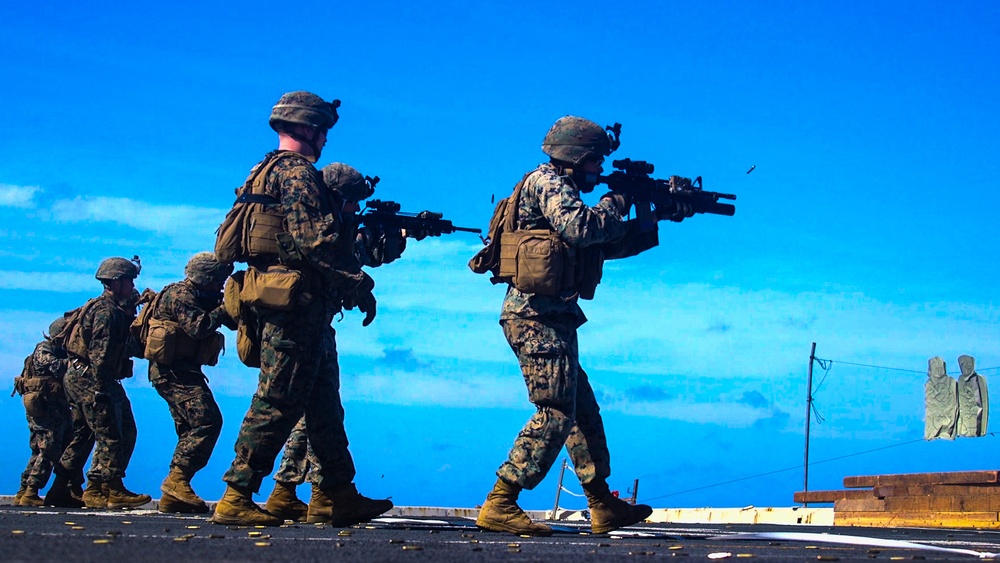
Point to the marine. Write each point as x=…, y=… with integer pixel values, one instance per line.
x=551, y=258
x=299, y=263
x=298, y=462
x=100, y=348
x=50, y=419
x=181, y=338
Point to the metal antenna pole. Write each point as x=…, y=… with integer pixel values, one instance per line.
x=555, y=507
x=635, y=492
x=809, y=400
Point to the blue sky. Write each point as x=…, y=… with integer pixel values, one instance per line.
x=867, y=225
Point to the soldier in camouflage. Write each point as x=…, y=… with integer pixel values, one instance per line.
x=193, y=309
x=295, y=341
x=93, y=384
x=298, y=462
x=542, y=332
x=50, y=419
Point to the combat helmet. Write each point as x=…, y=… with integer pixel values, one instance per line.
x=347, y=181
x=204, y=269
x=574, y=139
x=57, y=326
x=115, y=268
x=304, y=108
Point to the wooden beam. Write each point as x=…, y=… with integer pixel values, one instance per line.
x=907, y=479
x=830, y=496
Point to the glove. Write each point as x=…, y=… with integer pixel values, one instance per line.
x=620, y=201
x=366, y=304
x=389, y=247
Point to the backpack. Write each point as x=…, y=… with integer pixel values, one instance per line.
x=503, y=220
x=140, y=325
x=71, y=337
x=234, y=239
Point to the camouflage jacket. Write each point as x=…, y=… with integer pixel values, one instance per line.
x=48, y=360
x=198, y=315
x=109, y=342
x=551, y=201
x=311, y=216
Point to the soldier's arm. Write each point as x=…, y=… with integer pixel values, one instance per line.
x=634, y=242
x=102, y=348
x=312, y=226
x=47, y=361
x=576, y=223
x=189, y=316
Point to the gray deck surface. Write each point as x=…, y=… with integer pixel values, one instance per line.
x=50, y=534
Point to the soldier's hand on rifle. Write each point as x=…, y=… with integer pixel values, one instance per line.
x=366, y=304
x=621, y=202
x=389, y=247
x=677, y=211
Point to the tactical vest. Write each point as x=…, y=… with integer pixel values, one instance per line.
x=164, y=341
x=535, y=260
x=251, y=228
x=72, y=338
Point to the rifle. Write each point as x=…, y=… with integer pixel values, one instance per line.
x=386, y=215
x=634, y=178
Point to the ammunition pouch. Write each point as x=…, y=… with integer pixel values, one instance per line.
x=34, y=403
x=248, y=342
x=231, y=295
x=161, y=341
x=279, y=288
x=536, y=261
x=262, y=232
x=209, y=349
x=589, y=270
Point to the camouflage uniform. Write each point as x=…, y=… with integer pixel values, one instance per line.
x=296, y=377
x=182, y=384
x=93, y=385
x=541, y=330
x=50, y=420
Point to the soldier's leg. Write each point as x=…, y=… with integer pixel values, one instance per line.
x=550, y=370
x=47, y=440
x=325, y=422
x=289, y=361
x=294, y=463
x=197, y=419
x=587, y=444
x=129, y=431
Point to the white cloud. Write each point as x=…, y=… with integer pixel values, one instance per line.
x=187, y=222
x=18, y=196
x=59, y=282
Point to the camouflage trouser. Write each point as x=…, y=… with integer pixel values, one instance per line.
x=51, y=430
x=298, y=375
x=298, y=462
x=108, y=413
x=567, y=412
x=75, y=455
x=197, y=418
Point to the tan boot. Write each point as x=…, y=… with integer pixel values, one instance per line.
x=61, y=494
x=30, y=497
x=344, y=506
x=120, y=497
x=94, y=495
x=500, y=513
x=169, y=504
x=237, y=508
x=284, y=504
x=608, y=512
x=177, y=489
x=20, y=492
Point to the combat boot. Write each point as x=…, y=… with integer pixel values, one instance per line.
x=500, y=513
x=178, y=496
x=608, y=512
x=61, y=494
x=120, y=497
x=30, y=497
x=237, y=508
x=94, y=496
x=284, y=504
x=20, y=492
x=343, y=506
